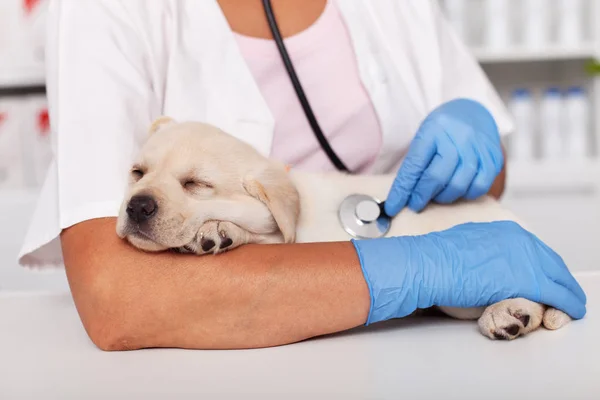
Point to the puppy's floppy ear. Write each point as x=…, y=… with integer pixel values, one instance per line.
x=274, y=188
x=160, y=123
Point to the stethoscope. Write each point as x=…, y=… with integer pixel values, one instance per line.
x=361, y=216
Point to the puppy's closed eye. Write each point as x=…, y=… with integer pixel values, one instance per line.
x=137, y=173
x=192, y=184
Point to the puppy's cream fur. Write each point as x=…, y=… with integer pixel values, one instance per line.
x=215, y=193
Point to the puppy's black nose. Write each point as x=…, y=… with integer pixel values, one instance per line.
x=141, y=208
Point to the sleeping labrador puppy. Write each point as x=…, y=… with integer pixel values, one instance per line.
x=196, y=189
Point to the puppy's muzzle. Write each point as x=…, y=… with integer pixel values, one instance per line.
x=141, y=208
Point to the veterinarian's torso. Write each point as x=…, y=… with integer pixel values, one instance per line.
x=200, y=73
x=323, y=57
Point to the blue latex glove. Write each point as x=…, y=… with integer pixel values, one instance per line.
x=469, y=265
x=455, y=154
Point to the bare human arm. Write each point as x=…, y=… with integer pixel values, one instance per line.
x=254, y=296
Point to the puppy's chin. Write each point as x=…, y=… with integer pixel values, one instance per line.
x=147, y=241
x=158, y=237
x=128, y=231
x=145, y=244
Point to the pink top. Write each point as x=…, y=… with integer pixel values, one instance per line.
x=325, y=63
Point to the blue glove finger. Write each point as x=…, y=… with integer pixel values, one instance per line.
x=437, y=175
x=483, y=181
x=561, y=298
x=419, y=156
x=461, y=181
x=493, y=150
x=559, y=273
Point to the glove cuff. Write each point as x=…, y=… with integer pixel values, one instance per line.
x=389, y=282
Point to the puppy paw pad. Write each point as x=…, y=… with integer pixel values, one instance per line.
x=511, y=326
x=524, y=318
x=207, y=244
x=512, y=330
x=225, y=243
x=509, y=332
x=508, y=321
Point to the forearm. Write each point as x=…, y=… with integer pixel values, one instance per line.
x=254, y=296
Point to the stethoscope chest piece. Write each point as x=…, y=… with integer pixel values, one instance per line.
x=363, y=217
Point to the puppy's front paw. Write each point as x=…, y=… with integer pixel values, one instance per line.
x=219, y=236
x=510, y=319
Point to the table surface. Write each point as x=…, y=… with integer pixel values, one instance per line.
x=45, y=353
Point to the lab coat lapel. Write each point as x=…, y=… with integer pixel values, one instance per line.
x=210, y=73
x=386, y=59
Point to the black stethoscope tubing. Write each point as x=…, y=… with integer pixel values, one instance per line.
x=312, y=120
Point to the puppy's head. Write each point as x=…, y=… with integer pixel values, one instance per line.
x=188, y=173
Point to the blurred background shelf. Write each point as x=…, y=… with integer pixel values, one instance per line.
x=26, y=76
x=524, y=54
x=518, y=45
x=552, y=178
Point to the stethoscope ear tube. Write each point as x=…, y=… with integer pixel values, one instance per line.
x=312, y=120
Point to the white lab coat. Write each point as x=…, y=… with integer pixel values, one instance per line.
x=113, y=66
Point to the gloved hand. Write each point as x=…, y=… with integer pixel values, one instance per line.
x=455, y=154
x=469, y=265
